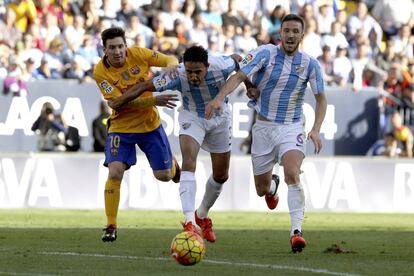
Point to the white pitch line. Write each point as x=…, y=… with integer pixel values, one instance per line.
x=25, y=274
x=272, y=266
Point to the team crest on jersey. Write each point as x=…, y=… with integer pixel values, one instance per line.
x=299, y=69
x=154, y=54
x=125, y=75
x=186, y=125
x=135, y=70
x=247, y=59
x=161, y=81
x=106, y=87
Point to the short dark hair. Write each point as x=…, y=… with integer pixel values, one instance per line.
x=111, y=33
x=196, y=54
x=293, y=17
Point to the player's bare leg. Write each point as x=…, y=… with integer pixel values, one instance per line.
x=266, y=185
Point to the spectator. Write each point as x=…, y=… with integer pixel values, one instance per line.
x=233, y=16
x=88, y=50
x=362, y=20
x=28, y=70
x=50, y=129
x=74, y=33
x=170, y=13
x=385, y=59
x=134, y=28
x=325, y=18
x=391, y=98
x=77, y=69
x=326, y=62
x=403, y=134
x=403, y=42
x=271, y=23
x=342, y=67
x=245, y=42
x=99, y=127
x=124, y=15
x=385, y=147
x=311, y=40
x=392, y=14
x=25, y=11
x=335, y=38
x=13, y=82
x=89, y=11
x=198, y=34
x=212, y=16
x=189, y=10
x=29, y=50
x=43, y=71
x=55, y=58
x=107, y=11
x=49, y=29
x=9, y=33
x=358, y=65
x=342, y=17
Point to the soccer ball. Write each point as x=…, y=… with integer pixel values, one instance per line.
x=188, y=248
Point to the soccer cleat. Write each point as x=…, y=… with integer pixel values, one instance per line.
x=206, y=226
x=297, y=242
x=109, y=234
x=273, y=200
x=176, y=177
x=189, y=227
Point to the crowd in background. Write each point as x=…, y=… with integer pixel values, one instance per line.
x=358, y=43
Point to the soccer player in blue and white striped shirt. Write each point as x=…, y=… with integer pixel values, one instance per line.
x=199, y=80
x=281, y=74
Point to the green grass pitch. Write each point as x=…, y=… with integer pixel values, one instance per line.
x=37, y=242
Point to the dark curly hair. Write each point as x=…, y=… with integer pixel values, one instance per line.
x=196, y=54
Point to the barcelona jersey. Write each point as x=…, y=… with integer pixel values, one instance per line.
x=113, y=82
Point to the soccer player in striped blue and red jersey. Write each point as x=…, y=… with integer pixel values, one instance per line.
x=139, y=123
x=281, y=74
x=199, y=80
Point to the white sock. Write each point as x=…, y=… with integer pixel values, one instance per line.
x=213, y=190
x=188, y=188
x=272, y=188
x=296, y=204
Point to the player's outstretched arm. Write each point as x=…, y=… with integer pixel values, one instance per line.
x=132, y=93
x=320, y=111
x=227, y=88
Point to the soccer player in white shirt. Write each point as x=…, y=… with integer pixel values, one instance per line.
x=281, y=74
x=199, y=80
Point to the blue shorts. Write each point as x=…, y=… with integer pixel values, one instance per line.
x=121, y=147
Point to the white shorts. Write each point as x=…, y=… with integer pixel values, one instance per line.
x=272, y=140
x=212, y=135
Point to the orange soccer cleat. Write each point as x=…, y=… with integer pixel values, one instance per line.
x=297, y=242
x=273, y=200
x=189, y=227
x=206, y=226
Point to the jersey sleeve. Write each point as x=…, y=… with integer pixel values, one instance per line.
x=255, y=60
x=163, y=82
x=154, y=58
x=225, y=64
x=108, y=90
x=315, y=77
